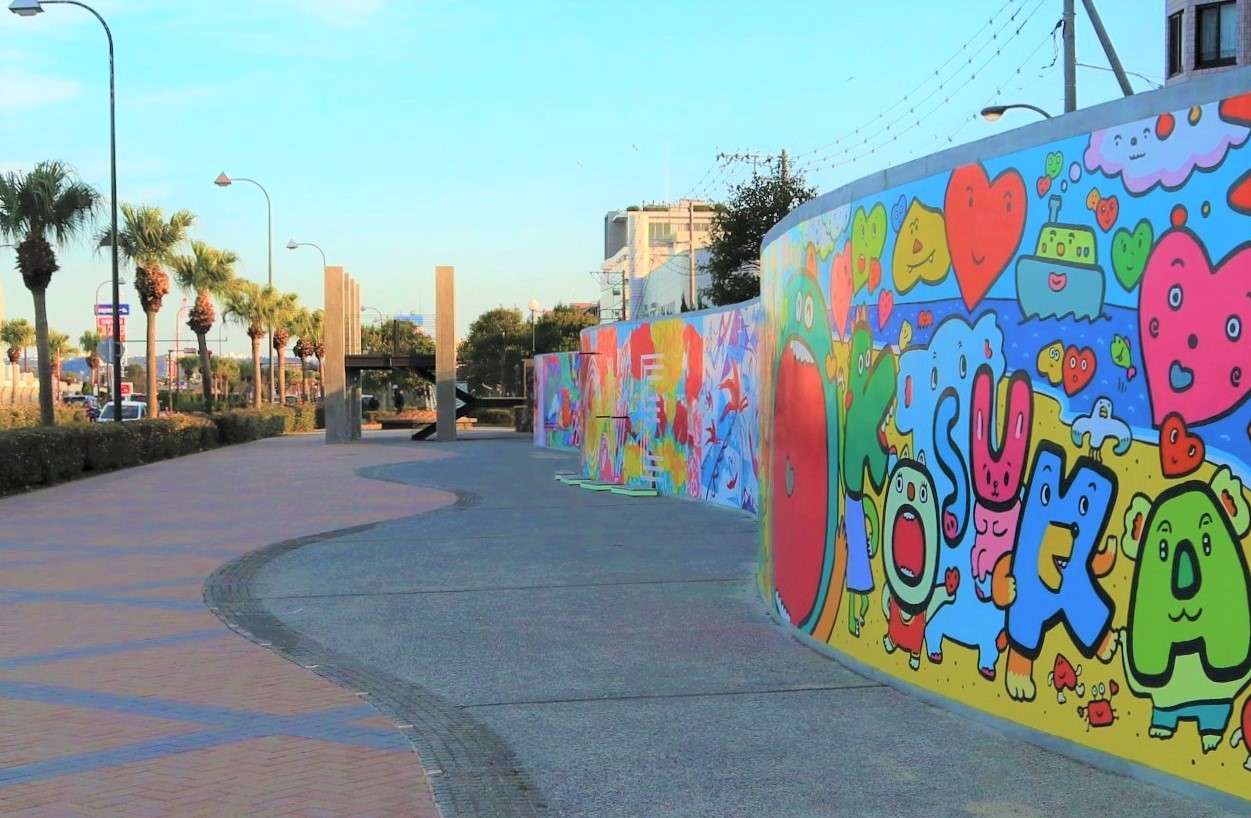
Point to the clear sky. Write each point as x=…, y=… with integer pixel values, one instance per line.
x=493, y=135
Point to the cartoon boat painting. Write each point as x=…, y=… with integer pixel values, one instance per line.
x=1061, y=278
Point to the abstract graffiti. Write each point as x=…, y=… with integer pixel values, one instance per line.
x=558, y=416
x=1015, y=415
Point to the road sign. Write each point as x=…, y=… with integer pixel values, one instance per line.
x=413, y=319
x=105, y=350
x=107, y=309
x=128, y=389
x=104, y=323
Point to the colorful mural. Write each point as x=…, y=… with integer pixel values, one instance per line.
x=558, y=401
x=671, y=404
x=1007, y=437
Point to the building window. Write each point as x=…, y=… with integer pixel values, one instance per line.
x=1216, y=34
x=1175, y=44
x=661, y=233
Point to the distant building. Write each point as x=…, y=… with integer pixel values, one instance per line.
x=1202, y=36
x=653, y=257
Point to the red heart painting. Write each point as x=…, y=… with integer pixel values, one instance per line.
x=1237, y=109
x=1180, y=451
x=875, y=274
x=1106, y=212
x=1043, y=185
x=841, y=290
x=1079, y=368
x=1239, y=197
x=885, y=305
x=985, y=222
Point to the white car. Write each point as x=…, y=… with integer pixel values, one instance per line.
x=131, y=410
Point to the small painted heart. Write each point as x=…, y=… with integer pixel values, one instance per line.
x=1130, y=252
x=885, y=305
x=1078, y=368
x=1106, y=212
x=1043, y=185
x=1180, y=451
x=841, y=290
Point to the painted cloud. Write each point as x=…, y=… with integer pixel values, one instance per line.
x=1163, y=150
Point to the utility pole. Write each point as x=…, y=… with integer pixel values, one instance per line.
x=1113, y=60
x=785, y=166
x=754, y=158
x=690, y=234
x=1070, y=58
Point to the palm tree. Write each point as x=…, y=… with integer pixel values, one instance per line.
x=17, y=334
x=148, y=241
x=310, y=328
x=90, y=342
x=226, y=373
x=49, y=201
x=286, y=311
x=207, y=272
x=256, y=307
x=303, y=348
x=60, y=348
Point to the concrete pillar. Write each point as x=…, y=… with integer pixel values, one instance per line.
x=354, y=320
x=332, y=374
x=445, y=350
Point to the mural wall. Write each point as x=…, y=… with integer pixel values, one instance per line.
x=671, y=403
x=558, y=419
x=1005, y=436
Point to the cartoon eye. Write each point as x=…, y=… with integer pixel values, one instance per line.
x=1191, y=451
x=1045, y=494
x=1172, y=435
x=1207, y=545
x=1007, y=477
x=899, y=483
x=1116, y=140
x=1083, y=505
x=1055, y=354
x=934, y=378
x=1175, y=296
x=1085, y=364
x=1100, y=689
x=925, y=493
x=1233, y=328
x=1072, y=361
x=964, y=366
x=1146, y=132
x=988, y=477
x=799, y=310
x=808, y=312
x=860, y=364
x=1163, y=550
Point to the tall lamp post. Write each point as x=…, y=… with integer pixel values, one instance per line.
x=992, y=113
x=29, y=8
x=223, y=180
x=534, y=308
x=381, y=319
x=292, y=244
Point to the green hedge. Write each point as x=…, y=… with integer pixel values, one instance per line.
x=26, y=415
x=492, y=416
x=43, y=455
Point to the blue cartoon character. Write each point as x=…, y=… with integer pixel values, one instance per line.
x=802, y=455
x=1061, y=278
x=1052, y=575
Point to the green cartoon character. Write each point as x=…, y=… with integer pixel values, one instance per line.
x=868, y=240
x=1188, y=635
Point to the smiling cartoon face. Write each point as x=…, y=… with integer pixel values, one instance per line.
x=868, y=239
x=910, y=536
x=1067, y=242
x=1195, y=321
x=1191, y=590
x=801, y=468
x=921, y=251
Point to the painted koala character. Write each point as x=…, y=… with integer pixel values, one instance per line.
x=910, y=543
x=1188, y=634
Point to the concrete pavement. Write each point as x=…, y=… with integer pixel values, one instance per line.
x=612, y=653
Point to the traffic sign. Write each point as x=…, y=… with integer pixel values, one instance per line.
x=104, y=323
x=107, y=309
x=415, y=319
x=105, y=350
x=128, y=389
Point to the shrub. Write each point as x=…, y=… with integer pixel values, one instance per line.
x=493, y=416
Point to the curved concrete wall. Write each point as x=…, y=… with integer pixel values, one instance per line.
x=1004, y=430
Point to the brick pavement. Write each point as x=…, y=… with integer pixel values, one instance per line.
x=121, y=694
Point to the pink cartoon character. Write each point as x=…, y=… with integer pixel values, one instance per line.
x=998, y=463
x=1243, y=734
x=1194, y=355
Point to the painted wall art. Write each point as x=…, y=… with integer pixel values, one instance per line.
x=1006, y=441
x=558, y=414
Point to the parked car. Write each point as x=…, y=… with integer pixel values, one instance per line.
x=131, y=410
x=89, y=402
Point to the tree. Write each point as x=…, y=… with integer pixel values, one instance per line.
x=17, y=334
x=405, y=339
x=255, y=307
x=148, y=241
x=739, y=227
x=308, y=327
x=90, y=343
x=497, y=341
x=286, y=311
x=207, y=272
x=49, y=201
x=226, y=373
x=60, y=348
x=135, y=373
x=558, y=330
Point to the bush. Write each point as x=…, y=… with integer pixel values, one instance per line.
x=25, y=415
x=244, y=425
x=494, y=416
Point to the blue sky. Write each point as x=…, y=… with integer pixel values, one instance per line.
x=494, y=135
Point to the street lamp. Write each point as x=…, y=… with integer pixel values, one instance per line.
x=29, y=8
x=292, y=244
x=992, y=113
x=534, y=307
x=223, y=180
x=381, y=319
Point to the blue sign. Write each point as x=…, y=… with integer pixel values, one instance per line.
x=415, y=319
x=105, y=350
x=107, y=309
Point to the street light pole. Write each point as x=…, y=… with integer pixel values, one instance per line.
x=29, y=8
x=387, y=396
x=534, y=308
x=292, y=244
x=223, y=180
x=992, y=113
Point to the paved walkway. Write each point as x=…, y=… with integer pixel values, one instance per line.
x=121, y=694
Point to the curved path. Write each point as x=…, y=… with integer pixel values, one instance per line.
x=614, y=651
x=121, y=694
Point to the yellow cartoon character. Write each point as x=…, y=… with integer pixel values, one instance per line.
x=1051, y=363
x=921, y=251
